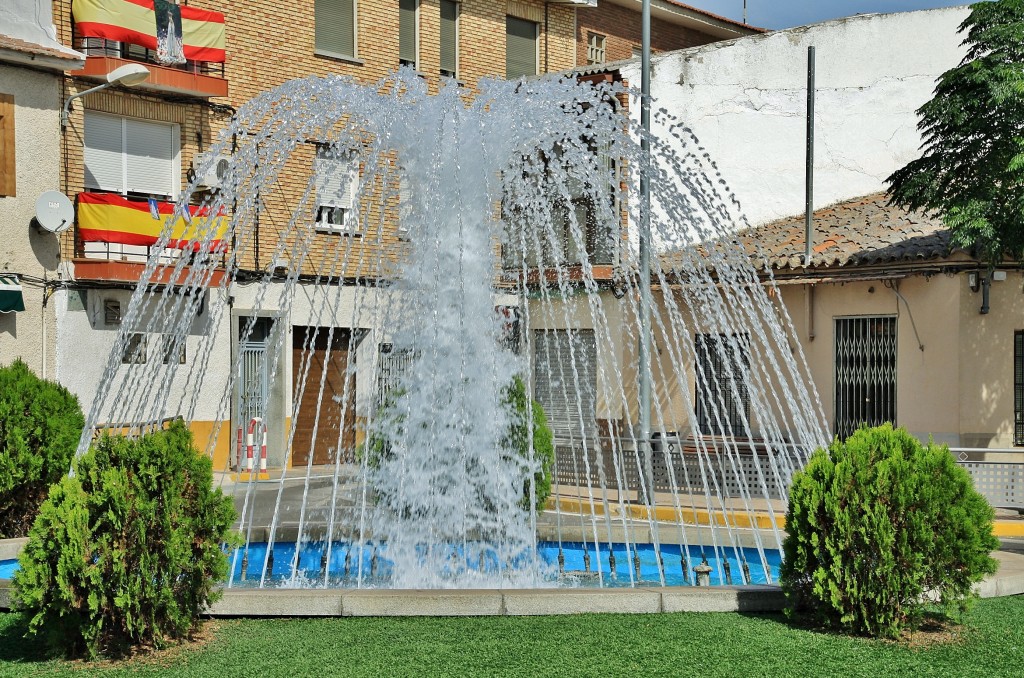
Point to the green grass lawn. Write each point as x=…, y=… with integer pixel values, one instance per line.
x=602, y=646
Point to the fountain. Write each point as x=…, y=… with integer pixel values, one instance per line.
x=376, y=267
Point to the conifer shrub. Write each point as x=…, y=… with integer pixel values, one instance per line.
x=127, y=552
x=881, y=529
x=518, y=438
x=40, y=424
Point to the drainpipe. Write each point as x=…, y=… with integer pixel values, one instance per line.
x=809, y=163
x=986, y=283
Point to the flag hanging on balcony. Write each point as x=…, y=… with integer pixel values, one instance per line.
x=108, y=217
x=135, y=22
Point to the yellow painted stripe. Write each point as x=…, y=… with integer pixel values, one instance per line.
x=740, y=519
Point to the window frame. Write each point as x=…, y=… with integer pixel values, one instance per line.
x=594, y=50
x=536, y=46
x=711, y=350
x=458, y=27
x=174, y=167
x=136, y=350
x=415, y=63
x=354, y=57
x=350, y=222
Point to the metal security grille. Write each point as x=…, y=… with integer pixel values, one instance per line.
x=723, y=394
x=565, y=381
x=1018, y=387
x=865, y=372
x=394, y=364
x=253, y=377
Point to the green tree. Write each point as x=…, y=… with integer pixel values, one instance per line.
x=972, y=170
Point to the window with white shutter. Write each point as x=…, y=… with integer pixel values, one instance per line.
x=131, y=157
x=336, y=176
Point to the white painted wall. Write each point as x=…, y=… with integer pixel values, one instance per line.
x=745, y=100
x=23, y=249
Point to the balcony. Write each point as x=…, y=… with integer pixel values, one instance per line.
x=194, y=78
x=115, y=237
x=185, y=56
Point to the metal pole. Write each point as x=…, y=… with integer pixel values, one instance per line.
x=809, y=163
x=645, y=247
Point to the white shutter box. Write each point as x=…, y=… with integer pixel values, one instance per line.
x=103, y=153
x=150, y=155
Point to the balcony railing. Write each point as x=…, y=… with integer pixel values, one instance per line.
x=100, y=47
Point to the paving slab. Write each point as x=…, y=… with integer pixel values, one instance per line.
x=278, y=603
x=722, y=599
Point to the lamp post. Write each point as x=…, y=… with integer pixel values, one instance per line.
x=128, y=75
x=644, y=354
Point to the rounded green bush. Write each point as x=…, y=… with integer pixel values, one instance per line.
x=40, y=424
x=879, y=528
x=128, y=550
x=518, y=439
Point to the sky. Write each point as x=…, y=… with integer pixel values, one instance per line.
x=786, y=13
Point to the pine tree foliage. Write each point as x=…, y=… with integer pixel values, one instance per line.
x=40, y=424
x=971, y=172
x=128, y=551
x=879, y=528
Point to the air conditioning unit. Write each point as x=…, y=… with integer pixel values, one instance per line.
x=213, y=178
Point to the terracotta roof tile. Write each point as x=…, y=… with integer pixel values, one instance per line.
x=861, y=231
x=14, y=44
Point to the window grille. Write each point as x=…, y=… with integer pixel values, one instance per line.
x=111, y=312
x=135, y=351
x=565, y=381
x=393, y=365
x=173, y=349
x=723, y=393
x=595, y=49
x=865, y=373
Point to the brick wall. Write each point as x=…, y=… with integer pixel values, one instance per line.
x=621, y=27
x=272, y=41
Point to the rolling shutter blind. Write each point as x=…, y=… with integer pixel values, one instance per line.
x=407, y=31
x=556, y=387
x=335, y=27
x=150, y=157
x=335, y=180
x=520, y=48
x=104, y=152
x=449, y=37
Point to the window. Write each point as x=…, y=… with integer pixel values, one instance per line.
x=130, y=156
x=7, y=164
x=407, y=33
x=565, y=381
x=1018, y=387
x=865, y=372
x=520, y=48
x=723, y=393
x=135, y=351
x=173, y=349
x=111, y=312
x=393, y=366
x=595, y=48
x=335, y=33
x=337, y=177
x=449, y=38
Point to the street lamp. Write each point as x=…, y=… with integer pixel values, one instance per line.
x=128, y=75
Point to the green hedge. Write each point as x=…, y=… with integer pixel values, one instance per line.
x=881, y=527
x=40, y=424
x=126, y=552
x=518, y=438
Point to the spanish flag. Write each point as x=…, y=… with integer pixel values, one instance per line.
x=108, y=217
x=134, y=21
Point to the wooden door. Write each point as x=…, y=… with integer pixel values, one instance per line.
x=327, y=357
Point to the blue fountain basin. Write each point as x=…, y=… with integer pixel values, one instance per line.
x=309, y=565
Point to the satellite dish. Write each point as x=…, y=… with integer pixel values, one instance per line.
x=54, y=212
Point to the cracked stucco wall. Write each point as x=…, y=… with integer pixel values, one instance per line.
x=745, y=100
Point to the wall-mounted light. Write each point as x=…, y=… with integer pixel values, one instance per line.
x=128, y=75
